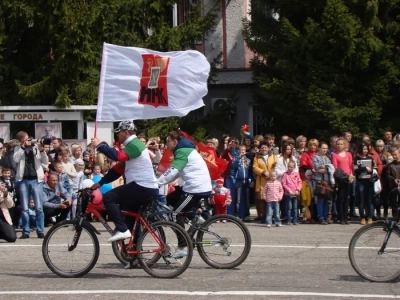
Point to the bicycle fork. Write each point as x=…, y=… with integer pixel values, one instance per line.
x=389, y=233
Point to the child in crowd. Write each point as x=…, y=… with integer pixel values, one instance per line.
x=221, y=197
x=68, y=167
x=243, y=172
x=77, y=182
x=273, y=192
x=86, y=159
x=32, y=214
x=97, y=171
x=63, y=179
x=291, y=183
x=307, y=197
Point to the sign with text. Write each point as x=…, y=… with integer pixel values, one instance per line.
x=40, y=116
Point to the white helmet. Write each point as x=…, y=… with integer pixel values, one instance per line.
x=87, y=183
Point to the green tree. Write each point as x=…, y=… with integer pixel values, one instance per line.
x=50, y=51
x=325, y=66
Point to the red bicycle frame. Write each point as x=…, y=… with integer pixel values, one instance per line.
x=95, y=209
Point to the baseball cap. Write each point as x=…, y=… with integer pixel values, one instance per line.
x=125, y=125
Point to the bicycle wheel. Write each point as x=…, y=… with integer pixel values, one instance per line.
x=165, y=263
x=367, y=259
x=70, y=250
x=223, y=242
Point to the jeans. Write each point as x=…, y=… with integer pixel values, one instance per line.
x=322, y=209
x=291, y=208
x=272, y=206
x=365, y=194
x=242, y=199
x=27, y=189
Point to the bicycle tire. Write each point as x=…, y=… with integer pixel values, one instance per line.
x=147, y=264
x=231, y=220
x=357, y=265
x=58, y=271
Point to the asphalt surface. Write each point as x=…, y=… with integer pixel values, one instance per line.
x=291, y=262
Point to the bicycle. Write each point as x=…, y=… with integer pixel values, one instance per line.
x=372, y=243
x=154, y=248
x=204, y=237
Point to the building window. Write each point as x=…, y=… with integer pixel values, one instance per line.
x=184, y=9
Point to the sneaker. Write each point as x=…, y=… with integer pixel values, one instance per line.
x=369, y=221
x=329, y=221
x=180, y=253
x=40, y=235
x=268, y=226
x=296, y=223
x=323, y=222
x=24, y=236
x=223, y=221
x=120, y=236
x=278, y=225
x=289, y=224
x=362, y=221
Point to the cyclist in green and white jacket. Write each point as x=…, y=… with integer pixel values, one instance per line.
x=191, y=167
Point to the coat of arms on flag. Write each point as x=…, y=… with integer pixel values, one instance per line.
x=153, y=84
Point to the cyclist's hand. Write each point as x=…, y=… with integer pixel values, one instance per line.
x=62, y=205
x=95, y=186
x=397, y=181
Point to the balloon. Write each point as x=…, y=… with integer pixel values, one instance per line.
x=87, y=183
x=105, y=187
x=98, y=197
x=244, y=131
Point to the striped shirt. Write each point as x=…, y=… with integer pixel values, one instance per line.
x=273, y=191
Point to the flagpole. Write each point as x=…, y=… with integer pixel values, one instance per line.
x=101, y=87
x=95, y=128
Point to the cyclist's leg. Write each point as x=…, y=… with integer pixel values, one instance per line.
x=188, y=203
x=128, y=194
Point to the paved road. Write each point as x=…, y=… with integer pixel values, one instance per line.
x=292, y=262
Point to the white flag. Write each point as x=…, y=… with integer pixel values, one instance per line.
x=137, y=83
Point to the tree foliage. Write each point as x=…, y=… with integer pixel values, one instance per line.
x=50, y=51
x=325, y=66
